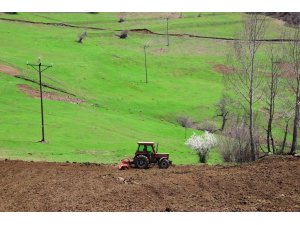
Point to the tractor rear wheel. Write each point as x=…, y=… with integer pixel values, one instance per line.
x=141, y=162
x=164, y=164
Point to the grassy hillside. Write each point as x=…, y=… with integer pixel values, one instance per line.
x=225, y=25
x=108, y=74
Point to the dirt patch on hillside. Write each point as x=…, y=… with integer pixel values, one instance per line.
x=220, y=68
x=47, y=95
x=285, y=70
x=271, y=184
x=9, y=70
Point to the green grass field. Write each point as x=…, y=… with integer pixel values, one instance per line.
x=225, y=25
x=108, y=74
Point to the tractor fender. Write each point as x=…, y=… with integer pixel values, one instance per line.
x=162, y=159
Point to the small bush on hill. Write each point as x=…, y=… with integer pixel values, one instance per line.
x=82, y=37
x=184, y=121
x=121, y=20
x=123, y=35
x=207, y=125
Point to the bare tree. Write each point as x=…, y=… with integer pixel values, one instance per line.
x=271, y=92
x=286, y=116
x=223, y=109
x=293, y=55
x=245, y=80
x=279, y=102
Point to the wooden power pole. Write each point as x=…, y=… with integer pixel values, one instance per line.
x=145, y=53
x=40, y=68
x=168, y=42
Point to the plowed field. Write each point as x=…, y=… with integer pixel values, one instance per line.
x=270, y=184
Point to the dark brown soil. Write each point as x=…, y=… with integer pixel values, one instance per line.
x=47, y=95
x=270, y=184
x=9, y=70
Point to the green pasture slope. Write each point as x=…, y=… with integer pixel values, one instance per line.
x=108, y=74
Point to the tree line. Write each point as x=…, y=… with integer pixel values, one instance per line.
x=261, y=96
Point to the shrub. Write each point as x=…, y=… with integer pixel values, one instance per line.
x=234, y=144
x=207, y=125
x=123, y=35
x=184, y=121
x=121, y=20
x=202, y=144
x=82, y=37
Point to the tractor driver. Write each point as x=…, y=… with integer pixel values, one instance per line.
x=145, y=148
x=148, y=150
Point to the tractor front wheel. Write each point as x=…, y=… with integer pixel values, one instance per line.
x=164, y=164
x=141, y=162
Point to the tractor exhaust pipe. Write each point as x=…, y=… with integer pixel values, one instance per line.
x=157, y=147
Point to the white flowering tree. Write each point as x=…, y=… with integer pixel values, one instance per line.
x=202, y=144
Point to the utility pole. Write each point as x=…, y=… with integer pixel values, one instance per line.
x=145, y=53
x=40, y=68
x=168, y=32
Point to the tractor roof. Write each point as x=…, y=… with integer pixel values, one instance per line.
x=146, y=143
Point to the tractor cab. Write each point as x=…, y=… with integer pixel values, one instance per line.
x=146, y=147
